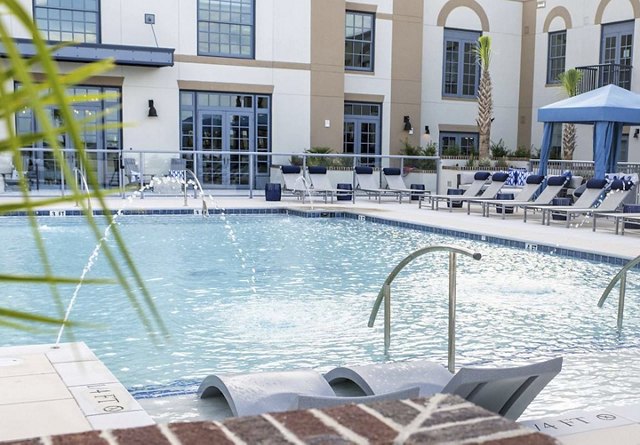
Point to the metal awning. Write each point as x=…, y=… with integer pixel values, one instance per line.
x=90, y=52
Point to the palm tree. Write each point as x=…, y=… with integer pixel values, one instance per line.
x=570, y=80
x=485, y=100
x=37, y=95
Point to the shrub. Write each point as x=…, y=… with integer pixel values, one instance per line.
x=499, y=150
x=522, y=152
x=451, y=150
x=421, y=164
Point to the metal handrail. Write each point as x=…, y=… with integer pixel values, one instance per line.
x=84, y=185
x=385, y=293
x=622, y=277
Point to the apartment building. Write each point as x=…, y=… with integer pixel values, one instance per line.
x=362, y=76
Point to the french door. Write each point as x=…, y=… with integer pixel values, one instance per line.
x=220, y=132
x=616, y=49
x=361, y=136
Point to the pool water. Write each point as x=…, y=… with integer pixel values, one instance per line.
x=267, y=293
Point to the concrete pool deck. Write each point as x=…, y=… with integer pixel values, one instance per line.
x=621, y=424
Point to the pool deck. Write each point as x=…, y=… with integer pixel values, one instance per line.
x=68, y=391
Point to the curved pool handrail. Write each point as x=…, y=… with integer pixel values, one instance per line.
x=622, y=277
x=385, y=293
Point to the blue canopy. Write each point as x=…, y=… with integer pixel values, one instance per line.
x=608, y=109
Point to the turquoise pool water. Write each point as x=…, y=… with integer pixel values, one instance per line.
x=276, y=292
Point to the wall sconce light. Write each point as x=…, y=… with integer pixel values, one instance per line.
x=636, y=133
x=426, y=130
x=407, y=125
x=152, y=110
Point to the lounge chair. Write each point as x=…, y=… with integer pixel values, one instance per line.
x=367, y=184
x=620, y=220
x=525, y=196
x=506, y=391
x=616, y=194
x=497, y=182
x=294, y=182
x=393, y=176
x=555, y=184
x=479, y=180
x=260, y=392
x=592, y=193
x=320, y=183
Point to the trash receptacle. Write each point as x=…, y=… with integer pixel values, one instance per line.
x=415, y=196
x=506, y=197
x=272, y=191
x=560, y=202
x=631, y=208
x=346, y=195
x=454, y=192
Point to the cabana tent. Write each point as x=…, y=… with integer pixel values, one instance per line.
x=608, y=109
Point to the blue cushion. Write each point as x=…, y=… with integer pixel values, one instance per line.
x=290, y=169
x=596, y=183
x=364, y=170
x=535, y=179
x=556, y=180
x=391, y=171
x=499, y=177
x=618, y=184
x=481, y=176
x=317, y=170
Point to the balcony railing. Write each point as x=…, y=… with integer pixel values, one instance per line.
x=596, y=76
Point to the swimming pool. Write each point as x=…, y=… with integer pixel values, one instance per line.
x=281, y=292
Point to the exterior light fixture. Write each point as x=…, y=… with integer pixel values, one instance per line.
x=407, y=124
x=152, y=110
x=426, y=130
x=636, y=133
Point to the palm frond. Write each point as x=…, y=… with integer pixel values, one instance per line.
x=38, y=93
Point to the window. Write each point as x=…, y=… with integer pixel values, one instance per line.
x=458, y=144
x=68, y=20
x=226, y=28
x=556, y=55
x=358, y=43
x=460, y=70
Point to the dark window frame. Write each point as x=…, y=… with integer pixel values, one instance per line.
x=371, y=42
x=553, y=71
x=46, y=32
x=249, y=56
x=458, y=135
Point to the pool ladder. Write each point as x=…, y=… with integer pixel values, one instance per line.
x=385, y=294
x=622, y=277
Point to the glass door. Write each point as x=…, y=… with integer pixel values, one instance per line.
x=225, y=131
x=616, y=50
x=361, y=137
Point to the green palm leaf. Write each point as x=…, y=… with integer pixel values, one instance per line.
x=36, y=93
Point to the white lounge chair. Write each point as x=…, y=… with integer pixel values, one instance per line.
x=506, y=391
x=525, y=196
x=592, y=193
x=617, y=192
x=620, y=220
x=261, y=392
x=497, y=182
x=293, y=181
x=479, y=180
x=367, y=184
x=320, y=183
x=393, y=177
